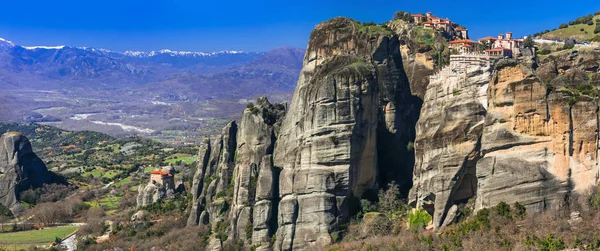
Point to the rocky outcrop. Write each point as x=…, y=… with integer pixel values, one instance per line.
x=448, y=135
x=253, y=179
x=235, y=185
x=20, y=169
x=160, y=186
x=351, y=91
x=348, y=132
x=215, y=167
x=532, y=138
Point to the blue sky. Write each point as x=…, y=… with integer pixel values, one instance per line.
x=199, y=25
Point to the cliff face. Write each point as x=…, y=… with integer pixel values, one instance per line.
x=20, y=169
x=296, y=178
x=484, y=130
x=448, y=135
x=351, y=91
x=531, y=138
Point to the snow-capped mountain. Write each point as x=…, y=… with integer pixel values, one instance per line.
x=181, y=53
x=82, y=65
x=4, y=41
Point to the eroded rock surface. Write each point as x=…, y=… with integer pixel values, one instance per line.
x=533, y=139
x=448, y=135
x=352, y=89
x=20, y=169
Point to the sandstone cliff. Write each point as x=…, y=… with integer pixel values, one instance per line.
x=352, y=90
x=448, y=132
x=296, y=179
x=531, y=138
x=20, y=169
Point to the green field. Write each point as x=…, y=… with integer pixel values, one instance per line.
x=574, y=31
x=187, y=158
x=109, y=202
x=26, y=239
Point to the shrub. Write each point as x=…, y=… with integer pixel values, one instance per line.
x=249, y=229
x=389, y=200
x=568, y=46
x=562, y=26
x=410, y=146
x=366, y=206
x=592, y=197
x=520, y=210
x=419, y=219
x=544, y=51
x=455, y=92
x=503, y=210
x=597, y=29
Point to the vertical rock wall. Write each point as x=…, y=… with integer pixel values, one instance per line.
x=352, y=100
x=20, y=169
x=532, y=138
x=448, y=135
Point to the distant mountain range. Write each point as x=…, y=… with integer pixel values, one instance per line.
x=38, y=80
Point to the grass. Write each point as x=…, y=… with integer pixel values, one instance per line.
x=187, y=158
x=125, y=181
x=27, y=239
x=108, y=202
x=574, y=31
x=371, y=28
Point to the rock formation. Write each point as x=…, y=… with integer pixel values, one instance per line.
x=346, y=133
x=234, y=185
x=531, y=138
x=448, y=132
x=20, y=169
x=160, y=186
x=253, y=183
x=484, y=129
x=352, y=89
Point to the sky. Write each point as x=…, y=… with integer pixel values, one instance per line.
x=201, y=25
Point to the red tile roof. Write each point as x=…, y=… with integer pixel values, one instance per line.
x=461, y=29
x=469, y=41
x=161, y=173
x=417, y=15
x=498, y=49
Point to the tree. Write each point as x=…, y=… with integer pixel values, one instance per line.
x=486, y=45
x=597, y=29
x=389, y=200
x=562, y=26
x=528, y=42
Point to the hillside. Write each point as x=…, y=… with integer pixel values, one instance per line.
x=162, y=95
x=580, y=31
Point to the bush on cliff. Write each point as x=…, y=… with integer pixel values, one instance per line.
x=419, y=219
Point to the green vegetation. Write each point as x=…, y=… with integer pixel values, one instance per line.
x=582, y=29
x=419, y=219
x=410, y=146
x=108, y=202
x=27, y=239
x=455, y=92
x=176, y=159
x=371, y=28
x=404, y=16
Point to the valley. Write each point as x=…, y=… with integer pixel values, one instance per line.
x=400, y=135
x=172, y=97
